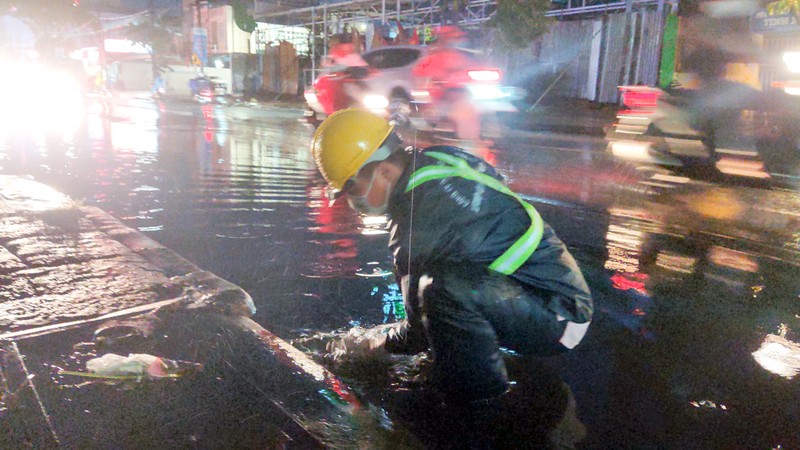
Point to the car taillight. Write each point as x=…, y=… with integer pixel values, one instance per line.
x=646, y=98
x=639, y=100
x=484, y=75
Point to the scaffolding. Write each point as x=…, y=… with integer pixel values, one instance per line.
x=329, y=18
x=411, y=12
x=466, y=13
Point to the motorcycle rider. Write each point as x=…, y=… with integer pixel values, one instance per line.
x=344, y=59
x=478, y=267
x=438, y=73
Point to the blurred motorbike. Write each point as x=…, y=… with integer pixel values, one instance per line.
x=729, y=128
x=329, y=94
x=389, y=88
x=436, y=105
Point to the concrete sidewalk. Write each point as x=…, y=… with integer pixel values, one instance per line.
x=77, y=284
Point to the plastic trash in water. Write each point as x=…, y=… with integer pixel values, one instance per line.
x=361, y=342
x=135, y=366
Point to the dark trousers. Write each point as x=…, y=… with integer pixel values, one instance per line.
x=464, y=314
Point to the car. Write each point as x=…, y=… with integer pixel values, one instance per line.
x=391, y=90
x=730, y=128
x=386, y=88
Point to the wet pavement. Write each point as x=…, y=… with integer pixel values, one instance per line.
x=694, y=344
x=78, y=284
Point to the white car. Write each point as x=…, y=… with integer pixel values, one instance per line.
x=390, y=89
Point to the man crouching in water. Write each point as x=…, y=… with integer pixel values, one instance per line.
x=478, y=267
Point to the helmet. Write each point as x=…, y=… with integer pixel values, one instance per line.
x=345, y=141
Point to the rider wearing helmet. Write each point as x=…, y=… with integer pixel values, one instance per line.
x=477, y=266
x=350, y=69
x=439, y=72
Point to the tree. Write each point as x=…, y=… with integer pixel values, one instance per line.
x=517, y=23
x=153, y=35
x=784, y=7
x=57, y=24
x=243, y=19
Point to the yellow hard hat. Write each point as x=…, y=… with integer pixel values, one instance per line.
x=345, y=141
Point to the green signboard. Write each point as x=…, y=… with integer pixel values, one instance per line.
x=668, y=47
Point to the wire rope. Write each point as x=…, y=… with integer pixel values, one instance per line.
x=29, y=377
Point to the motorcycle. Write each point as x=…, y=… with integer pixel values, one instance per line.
x=332, y=92
x=471, y=98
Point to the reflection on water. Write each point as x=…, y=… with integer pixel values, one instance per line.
x=710, y=308
x=695, y=338
x=779, y=356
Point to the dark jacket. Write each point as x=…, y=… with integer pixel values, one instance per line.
x=456, y=220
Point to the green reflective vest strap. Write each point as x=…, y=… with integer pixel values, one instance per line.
x=523, y=248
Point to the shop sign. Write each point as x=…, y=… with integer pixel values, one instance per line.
x=762, y=22
x=199, y=46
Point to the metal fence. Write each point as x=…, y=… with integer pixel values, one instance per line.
x=592, y=53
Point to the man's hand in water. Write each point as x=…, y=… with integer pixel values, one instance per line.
x=361, y=343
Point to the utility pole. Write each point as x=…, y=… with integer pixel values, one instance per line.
x=151, y=14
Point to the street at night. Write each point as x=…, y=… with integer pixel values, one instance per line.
x=694, y=341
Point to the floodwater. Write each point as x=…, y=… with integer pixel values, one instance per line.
x=695, y=340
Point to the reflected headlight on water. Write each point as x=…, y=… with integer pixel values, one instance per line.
x=779, y=356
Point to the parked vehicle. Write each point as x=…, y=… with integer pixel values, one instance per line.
x=208, y=90
x=728, y=127
x=391, y=90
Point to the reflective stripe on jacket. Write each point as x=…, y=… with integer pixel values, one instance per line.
x=523, y=248
x=451, y=207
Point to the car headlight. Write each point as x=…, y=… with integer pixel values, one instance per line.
x=311, y=97
x=372, y=101
x=792, y=61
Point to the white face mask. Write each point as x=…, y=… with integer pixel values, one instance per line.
x=360, y=203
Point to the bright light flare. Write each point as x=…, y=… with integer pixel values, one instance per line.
x=38, y=99
x=631, y=150
x=375, y=102
x=792, y=90
x=483, y=92
x=420, y=93
x=792, y=61
x=310, y=96
x=789, y=87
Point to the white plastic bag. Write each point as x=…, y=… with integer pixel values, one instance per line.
x=362, y=342
x=135, y=364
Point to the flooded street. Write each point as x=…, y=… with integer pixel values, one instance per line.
x=696, y=337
